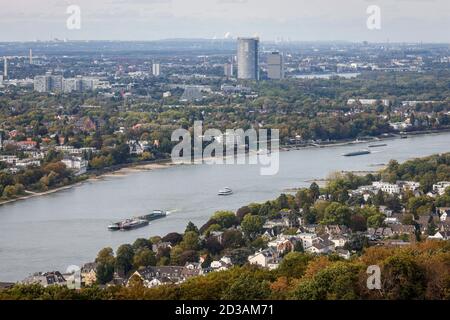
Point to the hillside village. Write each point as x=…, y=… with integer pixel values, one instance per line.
x=342, y=220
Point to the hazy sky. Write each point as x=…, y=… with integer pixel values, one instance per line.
x=305, y=20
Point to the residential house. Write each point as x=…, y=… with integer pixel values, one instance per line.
x=161, y=245
x=321, y=246
x=387, y=187
x=440, y=235
x=400, y=229
x=424, y=222
x=77, y=164
x=11, y=160
x=47, y=279
x=137, y=147
x=307, y=239
x=154, y=276
x=386, y=211
x=380, y=233
x=282, y=244
x=338, y=240
x=409, y=185
x=343, y=253
x=444, y=214
x=221, y=265
x=280, y=223
x=391, y=220
x=265, y=258
x=27, y=144
x=310, y=228
x=89, y=274
x=336, y=230
x=440, y=187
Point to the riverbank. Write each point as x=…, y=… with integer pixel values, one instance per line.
x=31, y=194
x=348, y=142
x=137, y=167
x=120, y=170
x=128, y=168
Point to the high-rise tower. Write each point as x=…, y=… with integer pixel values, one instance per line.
x=5, y=67
x=247, y=58
x=275, y=66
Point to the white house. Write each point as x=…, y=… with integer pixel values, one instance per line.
x=368, y=102
x=265, y=258
x=440, y=187
x=409, y=185
x=321, y=247
x=221, y=265
x=387, y=187
x=307, y=239
x=137, y=147
x=339, y=241
x=391, y=220
x=343, y=253
x=78, y=164
x=24, y=163
x=441, y=235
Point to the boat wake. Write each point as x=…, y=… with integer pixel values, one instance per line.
x=169, y=212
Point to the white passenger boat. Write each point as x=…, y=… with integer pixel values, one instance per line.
x=225, y=192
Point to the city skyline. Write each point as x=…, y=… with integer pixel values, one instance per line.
x=401, y=21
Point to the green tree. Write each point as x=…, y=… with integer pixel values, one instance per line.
x=104, y=272
x=336, y=282
x=293, y=265
x=142, y=243
x=375, y=221
x=337, y=213
x=252, y=226
x=105, y=265
x=314, y=190
x=247, y=286
x=226, y=219
x=403, y=278
x=190, y=241
x=191, y=227
x=124, y=259
x=144, y=257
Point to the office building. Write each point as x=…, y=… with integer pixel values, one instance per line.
x=48, y=83
x=247, y=58
x=5, y=67
x=275, y=66
x=72, y=84
x=156, y=69
x=56, y=83
x=228, y=70
x=87, y=84
x=42, y=83
x=31, y=56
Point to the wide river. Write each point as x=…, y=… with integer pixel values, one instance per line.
x=66, y=228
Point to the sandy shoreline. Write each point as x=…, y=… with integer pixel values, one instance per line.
x=136, y=168
x=121, y=172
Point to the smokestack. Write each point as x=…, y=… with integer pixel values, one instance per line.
x=31, y=56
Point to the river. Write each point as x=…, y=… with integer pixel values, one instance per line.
x=51, y=232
